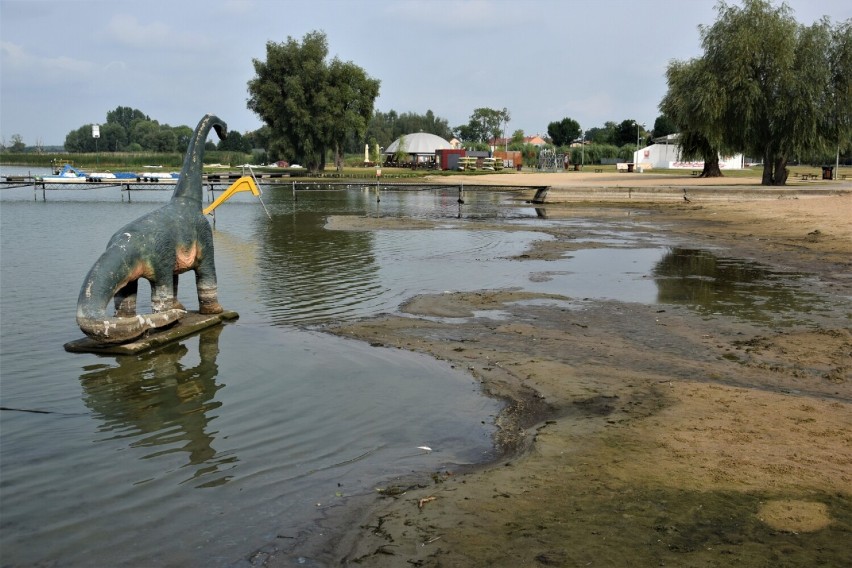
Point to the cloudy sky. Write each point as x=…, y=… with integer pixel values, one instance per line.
x=65, y=63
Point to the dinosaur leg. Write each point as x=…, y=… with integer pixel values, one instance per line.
x=125, y=299
x=162, y=300
x=205, y=282
x=175, y=302
x=162, y=296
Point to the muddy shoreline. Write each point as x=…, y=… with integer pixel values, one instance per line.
x=635, y=434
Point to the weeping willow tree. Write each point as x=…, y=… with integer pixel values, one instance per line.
x=695, y=105
x=765, y=85
x=838, y=122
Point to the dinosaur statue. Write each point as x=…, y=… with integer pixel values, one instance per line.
x=158, y=247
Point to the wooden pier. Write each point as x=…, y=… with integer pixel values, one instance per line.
x=220, y=182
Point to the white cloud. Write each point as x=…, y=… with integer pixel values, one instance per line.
x=15, y=58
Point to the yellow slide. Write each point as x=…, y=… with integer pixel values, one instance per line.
x=245, y=183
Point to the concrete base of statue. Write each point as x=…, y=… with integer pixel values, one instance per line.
x=190, y=323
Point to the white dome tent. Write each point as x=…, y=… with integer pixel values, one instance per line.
x=419, y=146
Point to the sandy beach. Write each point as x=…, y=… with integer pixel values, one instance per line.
x=637, y=435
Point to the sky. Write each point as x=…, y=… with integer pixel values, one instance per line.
x=66, y=63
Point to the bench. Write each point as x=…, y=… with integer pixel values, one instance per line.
x=600, y=171
x=695, y=172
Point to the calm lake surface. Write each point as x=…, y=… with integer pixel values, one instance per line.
x=198, y=453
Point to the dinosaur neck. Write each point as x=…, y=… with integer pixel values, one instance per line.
x=189, y=185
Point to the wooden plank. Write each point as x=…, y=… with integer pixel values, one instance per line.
x=187, y=325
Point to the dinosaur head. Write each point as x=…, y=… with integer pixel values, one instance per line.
x=221, y=129
x=189, y=184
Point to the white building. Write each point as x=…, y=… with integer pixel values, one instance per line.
x=419, y=146
x=664, y=154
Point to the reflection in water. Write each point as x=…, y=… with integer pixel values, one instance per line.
x=311, y=274
x=726, y=286
x=163, y=404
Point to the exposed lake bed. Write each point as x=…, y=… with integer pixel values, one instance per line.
x=662, y=434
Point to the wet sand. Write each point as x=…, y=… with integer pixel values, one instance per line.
x=636, y=435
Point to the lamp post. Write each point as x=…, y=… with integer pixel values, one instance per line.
x=636, y=161
x=637, y=144
x=582, y=148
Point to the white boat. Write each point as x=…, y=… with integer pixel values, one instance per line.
x=68, y=174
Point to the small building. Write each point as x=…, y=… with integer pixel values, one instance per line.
x=664, y=154
x=448, y=158
x=420, y=147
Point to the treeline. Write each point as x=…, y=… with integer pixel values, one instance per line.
x=385, y=127
x=131, y=130
x=119, y=161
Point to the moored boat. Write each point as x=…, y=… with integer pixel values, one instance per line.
x=68, y=174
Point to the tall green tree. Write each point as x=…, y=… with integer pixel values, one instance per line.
x=17, y=145
x=80, y=140
x=775, y=79
x=351, y=94
x=125, y=117
x=663, y=126
x=483, y=125
x=259, y=138
x=627, y=132
x=382, y=127
x=183, y=135
x=385, y=127
x=144, y=133
x=234, y=142
x=838, y=118
x=564, y=131
x=299, y=96
x=695, y=104
x=113, y=137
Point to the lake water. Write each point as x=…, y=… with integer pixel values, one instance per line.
x=205, y=450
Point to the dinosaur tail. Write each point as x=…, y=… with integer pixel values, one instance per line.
x=121, y=329
x=109, y=275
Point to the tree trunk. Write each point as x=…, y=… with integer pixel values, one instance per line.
x=768, y=164
x=711, y=167
x=781, y=171
x=338, y=159
x=774, y=170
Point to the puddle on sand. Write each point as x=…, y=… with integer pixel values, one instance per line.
x=698, y=279
x=714, y=285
